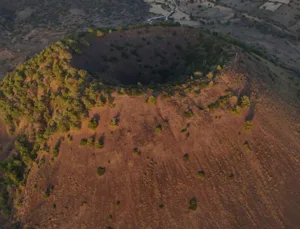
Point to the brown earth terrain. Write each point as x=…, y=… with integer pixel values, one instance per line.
x=250, y=177
x=159, y=158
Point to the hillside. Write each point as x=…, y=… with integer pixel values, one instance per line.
x=150, y=127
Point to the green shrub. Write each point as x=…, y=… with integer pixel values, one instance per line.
x=188, y=114
x=161, y=206
x=151, y=99
x=186, y=157
x=245, y=102
x=201, y=175
x=83, y=142
x=246, y=146
x=193, y=204
x=236, y=110
x=69, y=137
x=55, y=150
x=248, y=125
x=101, y=171
x=136, y=152
x=93, y=123
x=100, y=143
x=91, y=141
x=4, y=199
x=99, y=33
x=184, y=130
x=48, y=190
x=158, y=128
x=114, y=122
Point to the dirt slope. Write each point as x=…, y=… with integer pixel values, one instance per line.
x=251, y=177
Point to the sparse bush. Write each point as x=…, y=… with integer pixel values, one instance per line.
x=209, y=75
x=245, y=102
x=99, y=33
x=48, y=190
x=151, y=99
x=158, y=128
x=236, y=110
x=184, y=130
x=188, y=113
x=34, y=187
x=90, y=141
x=93, y=123
x=186, y=157
x=55, y=150
x=193, y=204
x=83, y=142
x=136, y=152
x=69, y=137
x=100, y=143
x=114, y=122
x=101, y=171
x=248, y=125
x=161, y=206
x=201, y=175
x=246, y=146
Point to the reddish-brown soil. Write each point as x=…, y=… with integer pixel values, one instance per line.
x=251, y=177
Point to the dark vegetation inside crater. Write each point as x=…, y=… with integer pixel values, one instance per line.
x=148, y=56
